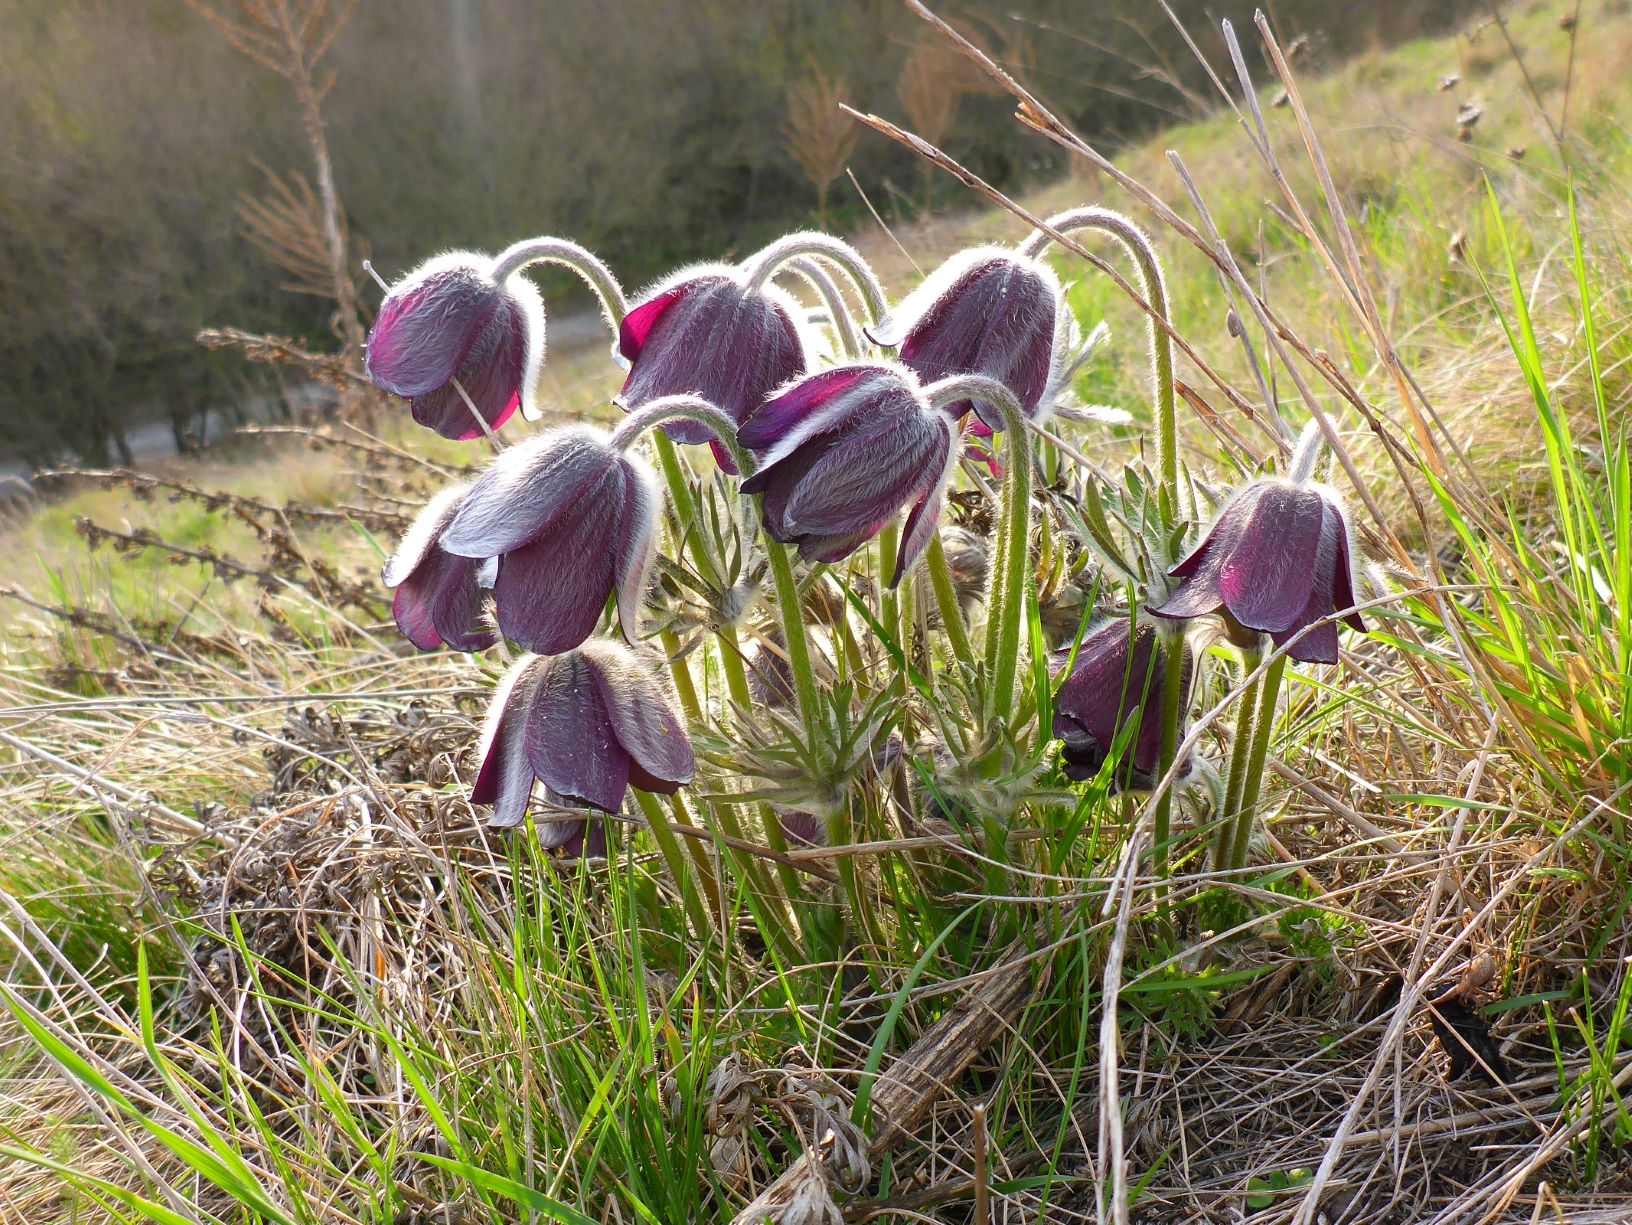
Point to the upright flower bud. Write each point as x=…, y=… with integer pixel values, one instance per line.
x=702, y=332
x=571, y=520
x=986, y=311
x=1276, y=561
x=589, y=725
x=438, y=594
x=1117, y=679
x=841, y=452
x=449, y=321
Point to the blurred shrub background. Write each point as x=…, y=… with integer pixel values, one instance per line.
x=655, y=131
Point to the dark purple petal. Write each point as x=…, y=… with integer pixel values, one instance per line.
x=801, y=828
x=1319, y=645
x=775, y=419
x=836, y=547
x=551, y=593
x=570, y=742
x=424, y=535
x=991, y=313
x=779, y=480
x=924, y=517
x=504, y=778
x=441, y=602
x=1224, y=530
x=642, y=717
x=637, y=534
x=585, y=840
x=1115, y=678
x=637, y=325
x=1266, y=576
x=717, y=341
x=867, y=476
x=491, y=375
x=412, y=613
x=1343, y=579
x=723, y=457
x=428, y=324
x=529, y=490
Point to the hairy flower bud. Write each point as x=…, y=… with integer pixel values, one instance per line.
x=571, y=520
x=588, y=724
x=1276, y=561
x=986, y=311
x=449, y=321
x=842, y=452
x=703, y=333
x=438, y=594
x=1117, y=679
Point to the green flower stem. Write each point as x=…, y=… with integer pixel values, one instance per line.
x=759, y=268
x=562, y=251
x=683, y=408
x=684, y=686
x=946, y=598
x=1252, y=780
x=889, y=598
x=997, y=574
x=1006, y=608
x=697, y=848
x=791, y=612
x=1171, y=645
x=850, y=341
x=736, y=678
x=1235, y=772
x=1153, y=285
x=669, y=847
x=736, y=684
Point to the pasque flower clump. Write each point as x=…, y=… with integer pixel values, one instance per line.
x=837, y=431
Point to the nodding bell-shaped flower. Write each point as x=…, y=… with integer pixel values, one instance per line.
x=1275, y=561
x=449, y=321
x=572, y=520
x=1118, y=678
x=438, y=594
x=986, y=311
x=841, y=452
x=703, y=332
x=589, y=725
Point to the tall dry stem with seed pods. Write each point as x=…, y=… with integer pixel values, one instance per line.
x=292, y=38
x=819, y=136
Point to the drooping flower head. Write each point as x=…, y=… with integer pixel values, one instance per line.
x=571, y=520
x=1117, y=679
x=438, y=595
x=841, y=452
x=588, y=724
x=703, y=332
x=986, y=311
x=448, y=320
x=1277, y=560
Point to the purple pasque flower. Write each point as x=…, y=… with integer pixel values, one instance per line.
x=438, y=594
x=1117, y=678
x=1277, y=560
x=986, y=311
x=703, y=332
x=449, y=320
x=588, y=724
x=841, y=452
x=571, y=520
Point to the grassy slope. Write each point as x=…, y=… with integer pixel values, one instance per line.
x=586, y=1115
